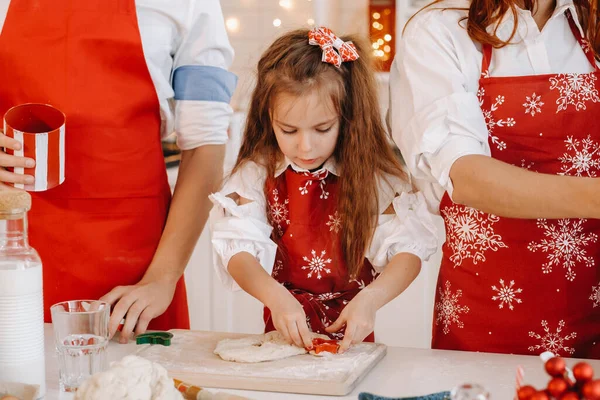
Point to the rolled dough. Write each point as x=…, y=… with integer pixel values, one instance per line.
x=252, y=349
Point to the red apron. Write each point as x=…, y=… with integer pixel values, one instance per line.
x=101, y=227
x=516, y=285
x=309, y=262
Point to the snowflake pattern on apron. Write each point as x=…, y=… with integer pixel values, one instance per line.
x=507, y=274
x=309, y=260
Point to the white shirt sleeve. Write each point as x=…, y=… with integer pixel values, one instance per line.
x=203, y=87
x=411, y=229
x=435, y=116
x=237, y=228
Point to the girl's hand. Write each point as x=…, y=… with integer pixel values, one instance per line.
x=359, y=318
x=7, y=161
x=289, y=318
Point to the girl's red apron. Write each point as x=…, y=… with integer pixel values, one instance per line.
x=527, y=286
x=309, y=262
x=100, y=228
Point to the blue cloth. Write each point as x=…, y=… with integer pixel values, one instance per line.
x=435, y=396
x=203, y=83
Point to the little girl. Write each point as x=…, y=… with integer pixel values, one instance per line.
x=315, y=220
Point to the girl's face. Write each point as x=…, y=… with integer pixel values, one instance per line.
x=306, y=128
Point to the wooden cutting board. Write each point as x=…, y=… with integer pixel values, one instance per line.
x=190, y=358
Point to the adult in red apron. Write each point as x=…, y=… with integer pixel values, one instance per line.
x=101, y=227
x=526, y=286
x=302, y=208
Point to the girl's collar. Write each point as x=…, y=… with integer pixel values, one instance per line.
x=329, y=165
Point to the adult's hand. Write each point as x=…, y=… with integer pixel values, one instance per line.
x=138, y=304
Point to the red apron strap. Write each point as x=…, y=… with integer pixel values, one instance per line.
x=583, y=42
x=486, y=61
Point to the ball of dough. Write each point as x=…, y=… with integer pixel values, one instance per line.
x=131, y=378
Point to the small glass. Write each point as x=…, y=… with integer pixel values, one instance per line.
x=81, y=339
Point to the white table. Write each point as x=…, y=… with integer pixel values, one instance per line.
x=403, y=372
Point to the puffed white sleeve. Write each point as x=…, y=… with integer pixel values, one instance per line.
x=411, y=228
x=241, y=228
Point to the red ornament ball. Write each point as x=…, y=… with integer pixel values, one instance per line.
x=569, y=396
x=525, y=392
x=583, y=372
x=555, y=367
x=539, y=395
x=557, y=386
x=591, y=390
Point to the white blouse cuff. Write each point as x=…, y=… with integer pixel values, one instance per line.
x=235, y=229
x=413, y=229
x=454, y=148
x=201, y=123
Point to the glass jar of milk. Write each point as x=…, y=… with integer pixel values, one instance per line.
x=21, y=301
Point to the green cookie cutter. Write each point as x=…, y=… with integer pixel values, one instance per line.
x=162, y=338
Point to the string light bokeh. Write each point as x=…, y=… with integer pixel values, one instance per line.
x=381, y=18
x=382, y=31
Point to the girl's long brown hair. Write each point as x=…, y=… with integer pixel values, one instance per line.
x=363, y=153
x=484, y=13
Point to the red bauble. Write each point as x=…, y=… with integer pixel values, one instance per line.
x=557, y=386
x=591, y=390
x=555, y=367
x=583, y=372
x=569, y=396
x=525, y=392
x=539, y=395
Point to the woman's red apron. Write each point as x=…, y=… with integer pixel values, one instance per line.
x=527, y=286
x=100, y=228
x=309, y=262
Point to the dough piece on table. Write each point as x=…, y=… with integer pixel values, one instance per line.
x=131, y=378
x=268, y=347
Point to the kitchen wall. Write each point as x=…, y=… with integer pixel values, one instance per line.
x=252, y=25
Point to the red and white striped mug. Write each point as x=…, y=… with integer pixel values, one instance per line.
x=41, y=130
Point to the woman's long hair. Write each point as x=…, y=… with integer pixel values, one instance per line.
x=363, y=153
x=484, y=13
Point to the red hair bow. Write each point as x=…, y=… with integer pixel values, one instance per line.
x=326, y=39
